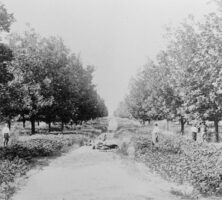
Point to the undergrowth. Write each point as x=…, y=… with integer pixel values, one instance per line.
x=182, y=160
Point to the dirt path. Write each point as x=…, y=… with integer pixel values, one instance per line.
x=87, y=174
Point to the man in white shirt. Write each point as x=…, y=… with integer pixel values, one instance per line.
x=194, y=132
x=6, y=134
x=203, y=132
x=155, y=134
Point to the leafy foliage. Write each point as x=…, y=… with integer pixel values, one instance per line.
x=185, y=81
x=183, y=161
x=49, y=82
x=6, y=19
x=122, y=111
x=25, y=151
x=41, y=80
x=16, y=160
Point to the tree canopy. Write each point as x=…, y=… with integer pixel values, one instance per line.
x=41, y=79
x=184, y=82
x=6, y=19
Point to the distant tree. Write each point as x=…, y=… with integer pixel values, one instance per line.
x=6, y=55
x=204, y=82
x=6, y=19
x=29, y=74
x=5, y=58
x=90, y=103
x=7, y=104
x=122, y=110
x=195, y=52
x=49, y=83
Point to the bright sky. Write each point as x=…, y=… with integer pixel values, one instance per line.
x=116, y=36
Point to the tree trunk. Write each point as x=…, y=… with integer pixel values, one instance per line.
x=62, y=126
x=32, y=125
x=182, y=125
x=23, y=121
x=38, y=122
x=49, y=126
x=9, y=124
x=216, y=126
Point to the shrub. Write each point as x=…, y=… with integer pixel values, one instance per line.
x=182, y=160
x=23, y=151
x=17, y=159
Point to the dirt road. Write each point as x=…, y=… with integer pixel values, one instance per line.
x=87, y=174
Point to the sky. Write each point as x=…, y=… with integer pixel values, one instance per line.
x=116, y=36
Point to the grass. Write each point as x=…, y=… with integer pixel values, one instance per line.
x=174, y=128
x=178, y=159
x=25, y=151
x=21, y=156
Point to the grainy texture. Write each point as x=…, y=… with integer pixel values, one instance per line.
x=182, y=160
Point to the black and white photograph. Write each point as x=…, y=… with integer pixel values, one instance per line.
x=110, y=99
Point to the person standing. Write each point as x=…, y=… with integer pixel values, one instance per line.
x=203, y=131
x=6, y=135
x=194, y=132
x=155, y=134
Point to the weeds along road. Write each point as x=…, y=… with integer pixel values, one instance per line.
x=86, y=174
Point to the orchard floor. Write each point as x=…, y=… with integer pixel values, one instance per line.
x=87, y=174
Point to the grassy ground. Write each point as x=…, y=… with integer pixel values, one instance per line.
x=24, y=151
x=178, y=159
x=184, y=161
x=174, y=128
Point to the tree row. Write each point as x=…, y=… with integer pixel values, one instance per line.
x=42, y=80
x=184, y=82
